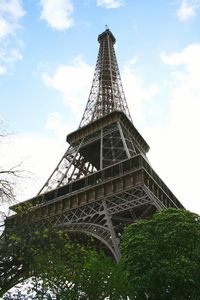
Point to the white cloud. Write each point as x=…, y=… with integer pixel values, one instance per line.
x=188, y=57
x=176, y=145
x=11, y=13
x=57, y=125
x=4, y=28
x=13, y=8
x=2, y=70
x=186, y=92
x=9, y=54
x=74, y=82
x=39, y=155
x=137, y=93
x=188, y=9
x=57, y=13
x=110, y=3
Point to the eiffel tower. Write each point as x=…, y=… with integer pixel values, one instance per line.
x=104, y=180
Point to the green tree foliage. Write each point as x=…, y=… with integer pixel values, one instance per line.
x=63, y=269
x=161, y=256
x=48, y=256
x=160, y=261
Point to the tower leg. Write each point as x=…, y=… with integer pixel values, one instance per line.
x=115, y=240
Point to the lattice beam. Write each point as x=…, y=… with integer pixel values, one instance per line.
x=107, y=93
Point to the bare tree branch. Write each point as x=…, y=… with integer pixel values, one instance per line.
x=9, y=177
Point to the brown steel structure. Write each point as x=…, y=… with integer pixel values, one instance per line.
x=104, y=180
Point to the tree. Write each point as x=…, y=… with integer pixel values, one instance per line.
x=45, y=255
x=62, y=268
x=10, y=179
x=7, y=183
x=9, y=175
x=161, y=256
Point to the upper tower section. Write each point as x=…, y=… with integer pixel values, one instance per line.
x=106, y=94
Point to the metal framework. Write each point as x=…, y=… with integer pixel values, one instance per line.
x=101, y=143
x=104, y=180
x=106, y=94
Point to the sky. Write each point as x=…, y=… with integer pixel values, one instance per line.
x=48, y=52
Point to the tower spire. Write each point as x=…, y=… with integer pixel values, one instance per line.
x=106, y=94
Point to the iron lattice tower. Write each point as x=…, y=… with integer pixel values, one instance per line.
x=104, y=180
